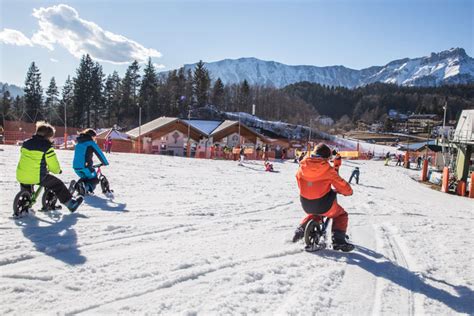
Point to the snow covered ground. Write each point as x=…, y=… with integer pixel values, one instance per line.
x=189, y=236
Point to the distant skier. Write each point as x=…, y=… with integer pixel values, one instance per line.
x=82, y=163
x=418, y=162
x=387, y=158
x=242, y=155
x=399, y=160
x=37, y=160
x=315, y=177
x=268, y=166
x=355, y=174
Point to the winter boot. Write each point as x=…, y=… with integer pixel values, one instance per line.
x=74, y=203
x=299, y=233
x=339, y=242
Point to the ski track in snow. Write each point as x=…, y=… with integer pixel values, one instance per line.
x=191, y=236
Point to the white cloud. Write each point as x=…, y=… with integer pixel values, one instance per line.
x=54, y=60
x=14, y=37
x=159, y=66
x=60, y=25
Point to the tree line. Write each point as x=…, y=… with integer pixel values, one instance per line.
x=92, y=99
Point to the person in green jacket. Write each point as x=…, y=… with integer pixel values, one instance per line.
x=37, y=161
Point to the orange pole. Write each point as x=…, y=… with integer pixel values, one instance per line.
x=424, y=171
x=188, y=150
x=461, y=189
x=471, y=187
x=445, y=183
x=407, y=160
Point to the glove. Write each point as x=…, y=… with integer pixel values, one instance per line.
x=60, y=171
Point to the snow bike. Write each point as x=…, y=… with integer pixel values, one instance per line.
x=25, y=200
x=80, y=186
x=315, y=234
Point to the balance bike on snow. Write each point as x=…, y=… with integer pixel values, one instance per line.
x=315, y=236
x=24, y=201
x=81, y=186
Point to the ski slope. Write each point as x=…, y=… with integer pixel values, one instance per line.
x=189, y=236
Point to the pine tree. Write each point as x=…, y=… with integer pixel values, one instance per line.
x=201, y=85
x=6, y=105
x=129, y=99
x=112, y=95
x=82, y=92
x=244, y=97
x=67, y=101
x=217, y=98
x=148, y=96
x=51, y=103
x=97, y=98
x=33, y=93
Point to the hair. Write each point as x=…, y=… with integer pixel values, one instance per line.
x=322, y=150
x=90, y=132
x=44, y=129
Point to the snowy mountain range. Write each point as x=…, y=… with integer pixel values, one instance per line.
x=14, y=90
x=452, y=66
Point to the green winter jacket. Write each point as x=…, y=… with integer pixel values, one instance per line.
x=36, y=161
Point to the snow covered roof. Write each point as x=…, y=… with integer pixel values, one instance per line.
x=465, y=129
x=112, y=133
x=207, y=127
x=224, y=125
x=152, y=125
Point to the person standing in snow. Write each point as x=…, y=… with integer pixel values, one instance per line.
x=418, y=162
x=399, y=160
x=82, y=163
x=37, y=160
x=355, y=173
x=242, y=155
x=315, y=178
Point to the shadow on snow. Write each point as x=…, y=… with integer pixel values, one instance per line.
x=105, y=204
x=56, y=238
x=382, y=267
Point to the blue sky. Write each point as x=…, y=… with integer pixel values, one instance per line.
x=356, y=34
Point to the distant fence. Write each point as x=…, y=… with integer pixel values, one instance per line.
x=15, y=131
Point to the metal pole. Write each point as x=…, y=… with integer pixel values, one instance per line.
x=240, y=141
x=188, y=146
x=139, y=129
x=65, y=126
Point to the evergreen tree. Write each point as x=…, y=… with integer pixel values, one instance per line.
x=245, y=100
x=6, y=105
x=97, y=98
x=129, y=99
x=51, y=103
x=66, y=105
x=148, y=98
x=201, y=85
x=218, y=92
x=33, y=93
x=82, y=92
x=112, y=95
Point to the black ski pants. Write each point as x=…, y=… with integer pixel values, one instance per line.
x=52, y=183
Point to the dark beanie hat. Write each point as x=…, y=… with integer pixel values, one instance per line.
x=323, y=151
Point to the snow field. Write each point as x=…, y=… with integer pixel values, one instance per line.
x=191, y=236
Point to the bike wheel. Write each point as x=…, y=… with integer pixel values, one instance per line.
x=104, y=184
x=312, y=233
x=49, y=200
x=81, y=188
x=21, y=203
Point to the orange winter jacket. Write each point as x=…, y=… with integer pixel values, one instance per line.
x=315, y=177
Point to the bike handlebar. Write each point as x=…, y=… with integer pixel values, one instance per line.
x=98, y=165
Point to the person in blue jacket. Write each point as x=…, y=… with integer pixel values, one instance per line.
x=82, y=163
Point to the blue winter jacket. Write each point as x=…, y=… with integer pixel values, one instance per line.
x=84, y=150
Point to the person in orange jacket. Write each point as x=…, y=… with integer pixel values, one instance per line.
x=337, y=162
x=315, y=179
